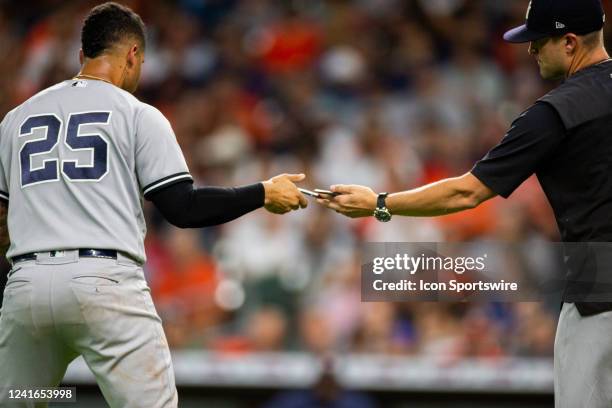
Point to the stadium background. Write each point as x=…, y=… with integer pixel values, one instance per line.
x=387, y=93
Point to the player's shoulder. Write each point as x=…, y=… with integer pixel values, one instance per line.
x=88, y=86
x=37, y=97
x=135, y=109
x=148, y=115
x=47, y=92
x=148, y=109
x=9, y=115
x=127, y=97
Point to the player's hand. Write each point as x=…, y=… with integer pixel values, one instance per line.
x=353, y=201
x=282, y=195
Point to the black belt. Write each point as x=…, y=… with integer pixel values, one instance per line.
x=83, y=253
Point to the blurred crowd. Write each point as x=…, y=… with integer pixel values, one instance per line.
x=387, y=93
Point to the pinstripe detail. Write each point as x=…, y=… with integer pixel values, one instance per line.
x=166, y=180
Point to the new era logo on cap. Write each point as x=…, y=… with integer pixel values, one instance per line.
x=546, y=18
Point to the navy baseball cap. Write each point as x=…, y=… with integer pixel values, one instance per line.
x=549, y=18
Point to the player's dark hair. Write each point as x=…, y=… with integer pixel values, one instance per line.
x=108, y=24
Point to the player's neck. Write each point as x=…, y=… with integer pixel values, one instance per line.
x=104, y=68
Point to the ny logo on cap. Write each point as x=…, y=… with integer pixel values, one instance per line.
x=559, y=25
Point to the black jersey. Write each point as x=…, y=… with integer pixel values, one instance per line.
x=565, y=138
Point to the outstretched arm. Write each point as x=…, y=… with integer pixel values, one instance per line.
x=531, y=140
x=188, y=207
x=4, y=236
x=439, y=198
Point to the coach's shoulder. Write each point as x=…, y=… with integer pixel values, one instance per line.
x=581, y=98
x=566, y=90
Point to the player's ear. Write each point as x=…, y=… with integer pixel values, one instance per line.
x=132, y=55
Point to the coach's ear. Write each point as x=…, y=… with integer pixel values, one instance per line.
x=81, y=57
x=570, y=43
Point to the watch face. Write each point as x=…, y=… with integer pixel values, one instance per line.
x=382, y=215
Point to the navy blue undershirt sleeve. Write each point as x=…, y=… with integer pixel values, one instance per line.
x=186, y=207
x=532, y=139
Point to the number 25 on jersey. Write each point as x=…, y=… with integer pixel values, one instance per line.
x=74, y=140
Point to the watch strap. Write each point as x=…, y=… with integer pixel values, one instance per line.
x=380, y=201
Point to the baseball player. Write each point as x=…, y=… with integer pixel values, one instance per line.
x=564, y=138
x=75, y=161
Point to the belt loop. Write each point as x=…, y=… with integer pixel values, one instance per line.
x=123, y=259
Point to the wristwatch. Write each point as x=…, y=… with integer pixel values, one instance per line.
x=382, y=213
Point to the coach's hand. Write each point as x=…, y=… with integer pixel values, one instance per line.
x=282, y=195
x=353, y=201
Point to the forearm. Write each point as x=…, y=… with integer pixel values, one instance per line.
x=440, y=198
x=4, y=235
x=186, y=207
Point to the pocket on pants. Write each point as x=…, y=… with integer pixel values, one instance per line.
x=14, y=270
x=16, y=303
x=16, y=283
x=98, y=297
x=95, y=280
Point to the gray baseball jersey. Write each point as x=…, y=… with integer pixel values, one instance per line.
x=75, y=162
